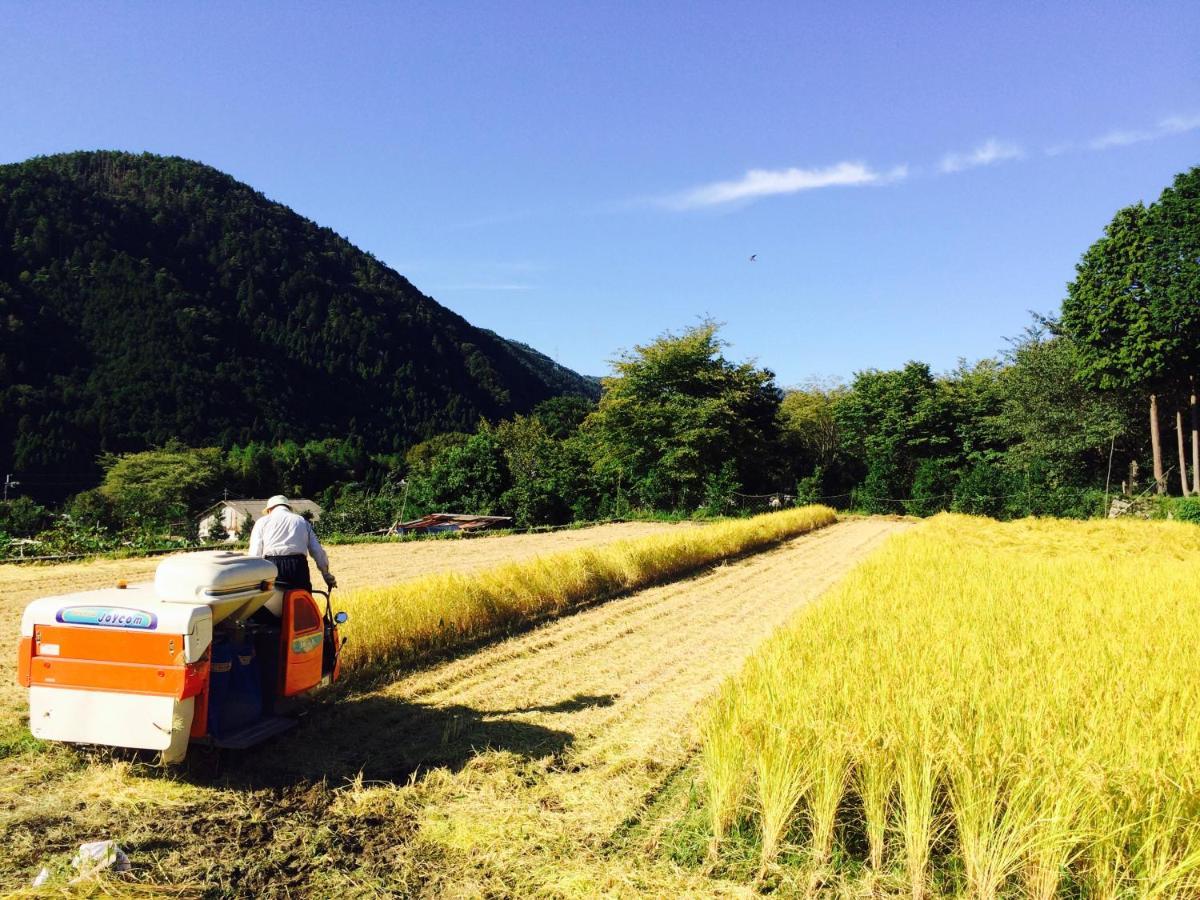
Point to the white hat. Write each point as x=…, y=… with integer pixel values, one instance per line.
x=277, y=500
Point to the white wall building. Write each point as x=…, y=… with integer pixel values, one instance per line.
x=239, y=515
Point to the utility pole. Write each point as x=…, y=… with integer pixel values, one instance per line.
x=404, y=501
x=9, y=483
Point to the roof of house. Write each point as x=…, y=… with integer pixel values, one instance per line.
x=456, y=520
x=254, y=508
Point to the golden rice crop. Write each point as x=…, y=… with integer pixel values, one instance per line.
x=439, y=612
x=1002, y=710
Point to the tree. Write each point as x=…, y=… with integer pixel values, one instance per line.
x=534, y=461
x=1133, y=307
x=561, y=416
x=891, y=421
x=1174, y=274
x=808, y=420
x=217, y=532
x=1108, y=314
x=1050, y=418
x=157, y=487
x=421, y=457
x=470, y=477
x=22, y=517
x=676, y=412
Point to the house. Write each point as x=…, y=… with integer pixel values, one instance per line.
x=437, y=522
x=238, y=515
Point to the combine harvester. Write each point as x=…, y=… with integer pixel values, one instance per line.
x=208, y=652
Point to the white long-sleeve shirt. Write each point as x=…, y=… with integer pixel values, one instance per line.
x=282, y=532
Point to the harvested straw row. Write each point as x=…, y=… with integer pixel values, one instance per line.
x=430, y=615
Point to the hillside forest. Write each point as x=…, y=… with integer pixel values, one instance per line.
x=1092, y=404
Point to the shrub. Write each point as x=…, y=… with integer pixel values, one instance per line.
x=983, y=490
x=1187, y=509
x=22, y=517
x=933, y=483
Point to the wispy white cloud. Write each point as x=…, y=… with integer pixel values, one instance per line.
x=988, y=153
x=1167, y=127
x=758, y=183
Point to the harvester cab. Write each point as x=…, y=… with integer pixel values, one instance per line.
x=210, y=651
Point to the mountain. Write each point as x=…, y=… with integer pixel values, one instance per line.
x=147, y=298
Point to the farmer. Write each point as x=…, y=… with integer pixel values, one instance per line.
x=287, y=539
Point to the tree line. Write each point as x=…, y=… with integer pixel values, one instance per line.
x=1054, y=425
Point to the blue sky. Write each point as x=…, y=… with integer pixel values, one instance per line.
x=583, y=176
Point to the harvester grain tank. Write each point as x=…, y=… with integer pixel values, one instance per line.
x=210, y=651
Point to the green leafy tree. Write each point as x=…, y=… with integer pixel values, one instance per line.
x=984, y=489
x=811, y=433
x=1174, y=276
x=23, y=517
x=891, y=421
x=217, y=532
x=974, y=395
x=676, y=412
x=1053, y=421
x=1132, y=311
x=421, y=457
x=561, y=416
x=1109, y=316
x=159, y=487
x=535, y=467
x=719, y=489
x=470, y=477
x=933, y=486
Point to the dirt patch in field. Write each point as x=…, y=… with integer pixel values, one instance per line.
x=510, y=772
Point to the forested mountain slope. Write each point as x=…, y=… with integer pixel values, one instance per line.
x=146, y=298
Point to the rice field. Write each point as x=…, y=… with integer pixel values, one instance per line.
x=439, y=612
x=979, y=709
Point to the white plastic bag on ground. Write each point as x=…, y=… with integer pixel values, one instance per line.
x=99, y=855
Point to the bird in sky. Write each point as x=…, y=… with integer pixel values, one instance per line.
x=753, y=257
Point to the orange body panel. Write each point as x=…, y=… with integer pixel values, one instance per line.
x=24, y=660
x=111, y=645
x=128, y=678
x=302, y=645
x=111, y=660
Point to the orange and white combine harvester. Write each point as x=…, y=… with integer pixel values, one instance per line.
x=209, y=652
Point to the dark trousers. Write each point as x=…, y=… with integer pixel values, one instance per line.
x=293, y=571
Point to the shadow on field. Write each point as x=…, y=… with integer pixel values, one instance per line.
x=388, y=739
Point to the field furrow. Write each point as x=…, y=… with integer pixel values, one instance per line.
x=613, y=691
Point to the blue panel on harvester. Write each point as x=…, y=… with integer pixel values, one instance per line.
x=235, y=690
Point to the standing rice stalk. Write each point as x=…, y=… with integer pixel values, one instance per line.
x=875, y=782
x=830, y=775
x=781, y=776
x=724, y=766
x=918, y=821
x=997, y=818
x=1061, y=805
